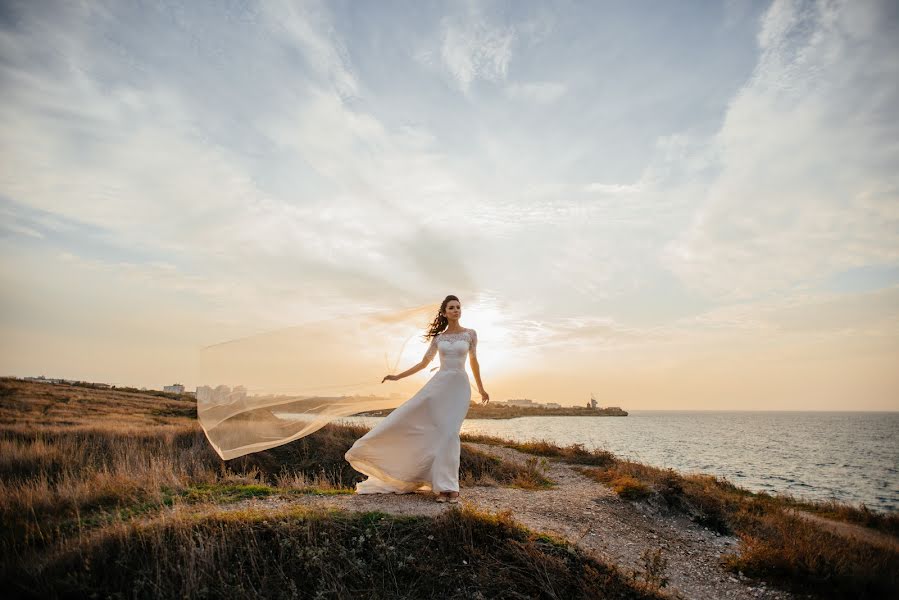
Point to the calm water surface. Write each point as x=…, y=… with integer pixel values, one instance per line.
x=849, y=456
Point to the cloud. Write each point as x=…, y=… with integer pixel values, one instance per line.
x=543, y=92
x=473, y=49
x=141, y=163
x=800, y=327
x=807, y=157
x=13, y=223
x=614, y=188
x=152, y=274
x=308, y=27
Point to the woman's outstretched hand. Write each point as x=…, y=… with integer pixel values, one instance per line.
x=485, y=397
x=390, y=378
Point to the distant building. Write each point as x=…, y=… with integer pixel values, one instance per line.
x=593, y=403
x=220, y=393
x=520, y=402
x=43, y=379
x=552, y=405
x=174, y=389
x=239, y=393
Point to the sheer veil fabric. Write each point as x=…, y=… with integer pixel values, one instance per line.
x=266, y=390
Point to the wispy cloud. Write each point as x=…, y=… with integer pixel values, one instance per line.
x=307, y=27
x=474, y=49
x=807, y=183
x=613, y=188
x=543, y=92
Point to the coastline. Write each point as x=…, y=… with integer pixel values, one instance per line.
x=478, y=411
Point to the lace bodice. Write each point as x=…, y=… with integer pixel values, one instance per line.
x=452, y=352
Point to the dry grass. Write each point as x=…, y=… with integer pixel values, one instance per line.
x=480, y=468
x=74, y=459
x=861, y=515
x=798, y=554
x=25, y=406
x=575, y=453
x=314, y=554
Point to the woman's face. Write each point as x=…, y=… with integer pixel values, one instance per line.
x=453, y=310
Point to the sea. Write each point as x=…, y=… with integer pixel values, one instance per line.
x=852, y=457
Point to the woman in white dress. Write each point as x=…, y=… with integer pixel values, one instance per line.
x=416, y=447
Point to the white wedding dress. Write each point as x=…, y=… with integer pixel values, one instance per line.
x=416, y=447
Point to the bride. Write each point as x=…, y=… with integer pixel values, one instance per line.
x=416, y=447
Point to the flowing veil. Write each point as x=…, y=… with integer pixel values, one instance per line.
x=266, y=390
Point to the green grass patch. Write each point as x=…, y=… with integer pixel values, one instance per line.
x=220, y=493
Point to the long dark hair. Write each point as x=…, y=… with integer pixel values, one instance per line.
x=440, y=322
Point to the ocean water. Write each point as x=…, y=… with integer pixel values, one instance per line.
x=852, y=457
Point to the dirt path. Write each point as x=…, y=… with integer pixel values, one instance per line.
x=591, y=514
x=869, y=536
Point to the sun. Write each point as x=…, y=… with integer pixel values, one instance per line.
x=494, y=355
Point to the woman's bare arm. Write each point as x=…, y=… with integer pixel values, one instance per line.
x=424, y=362
x=412, y=370
x=476, y=366
x=476, y=371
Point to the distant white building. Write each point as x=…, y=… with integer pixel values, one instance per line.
x=222, y=394
x=520, y=402
x=174, y=389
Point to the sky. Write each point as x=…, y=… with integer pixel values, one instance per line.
x=690, y=205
